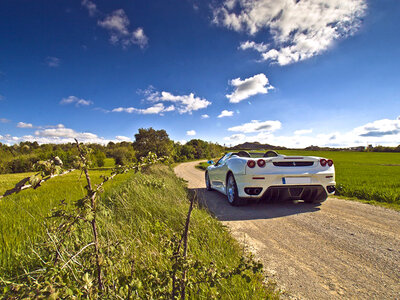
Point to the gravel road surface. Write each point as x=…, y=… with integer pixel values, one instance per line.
x=340, y=249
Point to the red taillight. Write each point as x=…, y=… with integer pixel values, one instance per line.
x=251, y=163
x=330, y=162
x=323, y=162
x=261, y=163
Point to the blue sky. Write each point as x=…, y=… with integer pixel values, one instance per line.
x=291, y=73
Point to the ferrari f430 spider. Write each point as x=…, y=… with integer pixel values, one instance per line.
x=244, y=176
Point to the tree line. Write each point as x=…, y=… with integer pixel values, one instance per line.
x=22, y=157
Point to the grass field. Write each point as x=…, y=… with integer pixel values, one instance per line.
x=22, y=215
x=142, y=212
x=109, y=163
x=370, y=176
x=8, y=181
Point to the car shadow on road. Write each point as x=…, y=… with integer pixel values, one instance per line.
x=218, y=205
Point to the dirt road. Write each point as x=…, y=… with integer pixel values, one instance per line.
x=340, y=249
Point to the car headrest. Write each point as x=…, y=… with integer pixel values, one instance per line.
x=243, y=154
x=270, y=153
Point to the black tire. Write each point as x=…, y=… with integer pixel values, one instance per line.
x=208, y=183
x=232, y=192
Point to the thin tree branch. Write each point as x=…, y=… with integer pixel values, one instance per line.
x=75, y=255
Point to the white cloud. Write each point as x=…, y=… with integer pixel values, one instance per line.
x=24, y=125
x=122, y=138
x=151, y=94
x=103, y=110
x=78, y=102
x=379, y=132
x=139, y=38
x=4, y=120
x=59, y=134
x=225, y=113
x=90, y=6
x=55, y=126
x=295, y=141
x=258, y=84
x=169, y=108
x=182, y=142
x=117, y=23
x=298, y=29
x=236, y=137
x=260, y=47
x=182, y=103
x=380, y=128
x=303, y=131
x=157, y=108
x=52, y=61
x=257, y=126
x=191, y=132
x=205, y=116
x=185, y=103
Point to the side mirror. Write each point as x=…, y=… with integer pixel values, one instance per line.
x=210, y=162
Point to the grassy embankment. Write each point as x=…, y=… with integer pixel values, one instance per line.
x=203, y=165
x=143, y=212
x=367, y=176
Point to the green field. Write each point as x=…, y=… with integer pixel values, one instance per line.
x=22, y=215
x=109, y=163
x=8, y=181
x=370, y=176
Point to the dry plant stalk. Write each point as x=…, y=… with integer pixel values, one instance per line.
x=93, y=203
x=177, y=256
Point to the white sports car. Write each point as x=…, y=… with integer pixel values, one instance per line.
x=242, y=176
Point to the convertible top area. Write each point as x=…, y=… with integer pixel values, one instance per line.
x=242, y=153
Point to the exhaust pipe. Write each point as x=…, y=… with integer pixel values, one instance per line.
x=331, y=189
x=253, y=191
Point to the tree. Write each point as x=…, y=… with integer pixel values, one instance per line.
x=99, y=158
x=25, y=149
x=187, y=152
x=123, y=155
x=156, y=141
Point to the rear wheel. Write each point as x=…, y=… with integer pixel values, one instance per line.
x=232, y=192
x=208, y=183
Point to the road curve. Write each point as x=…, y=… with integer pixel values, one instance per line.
x=340, y=249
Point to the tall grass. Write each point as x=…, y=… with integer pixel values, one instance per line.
x=23, y=215
x=141, y=214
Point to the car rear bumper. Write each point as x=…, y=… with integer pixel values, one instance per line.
x=300, y=186
x=296, y=192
